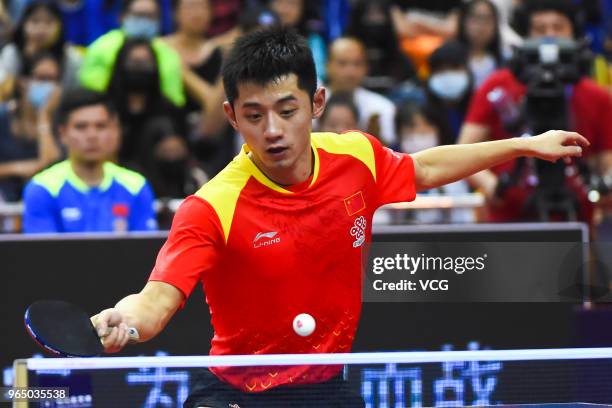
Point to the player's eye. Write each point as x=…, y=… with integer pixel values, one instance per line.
x=288, y=112
x=253, y=117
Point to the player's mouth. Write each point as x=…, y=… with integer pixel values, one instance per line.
x=277, y=151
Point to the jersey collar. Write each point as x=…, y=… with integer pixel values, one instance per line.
x=82, y=187
x=244, y=160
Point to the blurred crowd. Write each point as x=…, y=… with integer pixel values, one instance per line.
x=413, y=73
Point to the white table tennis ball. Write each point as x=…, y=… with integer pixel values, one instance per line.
x=304, y=324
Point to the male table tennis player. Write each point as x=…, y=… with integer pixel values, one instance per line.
x=279, y=231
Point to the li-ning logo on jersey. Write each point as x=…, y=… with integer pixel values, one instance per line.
x=271, y=239
x=358, y=231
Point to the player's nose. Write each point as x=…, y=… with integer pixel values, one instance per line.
x=273, y=127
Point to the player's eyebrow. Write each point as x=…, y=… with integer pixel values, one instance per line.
x=288, y=98
x=251, y=105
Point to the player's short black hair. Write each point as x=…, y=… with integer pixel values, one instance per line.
x=266, y=55
x=78, y=98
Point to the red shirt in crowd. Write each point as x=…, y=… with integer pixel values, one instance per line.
x=591, y=116
x=265, y=254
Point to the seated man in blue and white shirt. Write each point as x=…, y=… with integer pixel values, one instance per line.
x=87, y=192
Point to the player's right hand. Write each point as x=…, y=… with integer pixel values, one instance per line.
x=112, y=329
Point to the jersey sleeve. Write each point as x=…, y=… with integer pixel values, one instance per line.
x=395, y=180
x=142, y=213
x=39, y=212
x=193, y=246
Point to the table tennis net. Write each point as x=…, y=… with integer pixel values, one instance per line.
x=386, y=379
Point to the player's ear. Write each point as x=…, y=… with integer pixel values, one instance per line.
x=318, y=103
x=230, y=114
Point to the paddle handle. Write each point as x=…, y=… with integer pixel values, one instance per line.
x=133, y=333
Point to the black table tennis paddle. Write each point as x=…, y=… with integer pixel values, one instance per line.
x=64, y=329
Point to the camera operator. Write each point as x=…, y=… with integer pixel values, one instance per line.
x=589, y=112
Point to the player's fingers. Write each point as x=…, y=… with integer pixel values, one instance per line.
x=108, y=318
x=576, y=138
x=572, y=151
x=123, y=340
x=111, y=340
x=122, y=331
x=101, y=324
x=114, y=317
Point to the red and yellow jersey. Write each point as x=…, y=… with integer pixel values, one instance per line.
x=265, y=254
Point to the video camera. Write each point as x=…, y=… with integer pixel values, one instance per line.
x=549, y=68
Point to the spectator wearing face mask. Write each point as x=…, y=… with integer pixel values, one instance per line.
x=140, y=19
x=26, y=141
x=172, y=171
x=449, y=87
x=39, y=29
x=135, y=91
x=419, y=128
x=340, y=115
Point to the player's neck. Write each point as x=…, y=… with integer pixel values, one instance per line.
x=91, y=173
x=299, y=173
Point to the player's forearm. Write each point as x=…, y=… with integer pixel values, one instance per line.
x=144, y=314
x=446, y=164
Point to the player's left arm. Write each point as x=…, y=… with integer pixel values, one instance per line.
x=446, y=164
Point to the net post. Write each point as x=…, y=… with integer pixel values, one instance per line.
x=20, y=379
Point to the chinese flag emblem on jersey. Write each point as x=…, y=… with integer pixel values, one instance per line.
x=354, y=203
